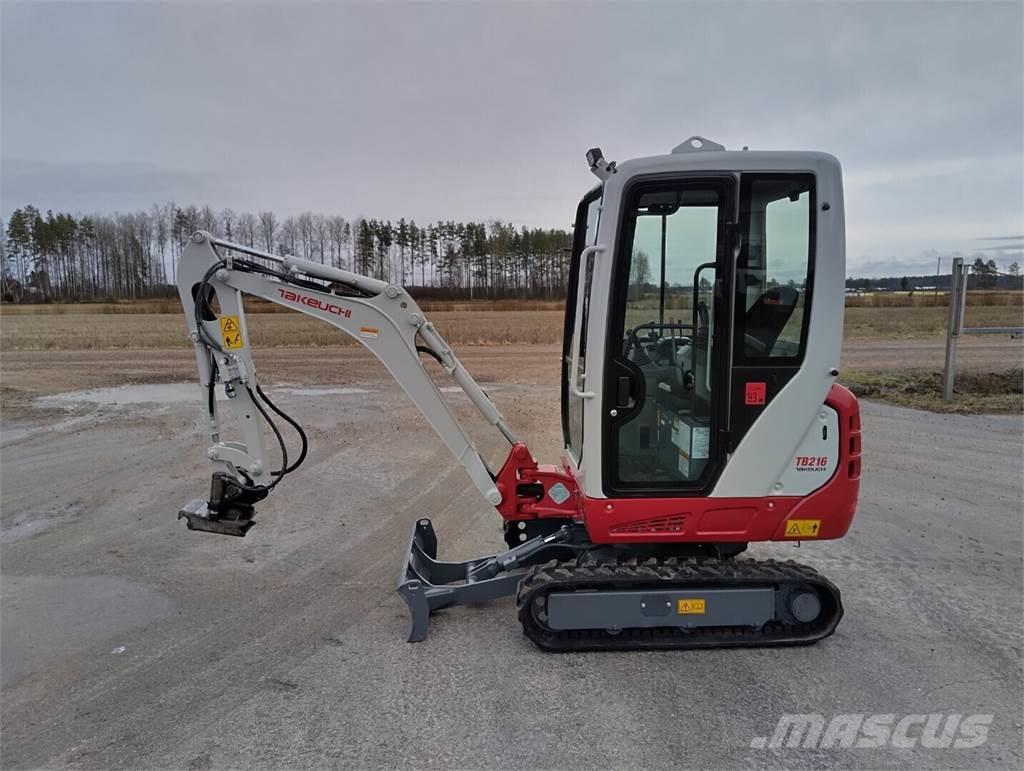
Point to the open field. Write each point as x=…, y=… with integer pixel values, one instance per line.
x=902, y=371
x=894, y=354
x=898, y=299
x=925, y=298
x=88, y=331
x=257, y=305
x=267, y=330
x=890, y=353
x=129, y=642
x=922, y=322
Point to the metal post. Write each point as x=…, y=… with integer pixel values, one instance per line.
x=957, y=301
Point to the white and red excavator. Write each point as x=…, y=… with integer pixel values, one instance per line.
x=700, y=411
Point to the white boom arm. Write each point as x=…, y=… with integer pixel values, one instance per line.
x=384, y=318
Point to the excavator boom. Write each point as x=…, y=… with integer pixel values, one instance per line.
x=381, y=316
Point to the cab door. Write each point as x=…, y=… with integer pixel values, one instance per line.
x=577, y=314
x=665, y=395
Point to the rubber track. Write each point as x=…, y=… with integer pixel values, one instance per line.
x=675, y=573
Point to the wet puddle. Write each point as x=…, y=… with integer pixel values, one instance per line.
x=37, y=520
x=125, y=396
x=325, y=391
x=46, y=617
x=169, y=393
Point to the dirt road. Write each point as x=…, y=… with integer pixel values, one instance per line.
x=129, y=642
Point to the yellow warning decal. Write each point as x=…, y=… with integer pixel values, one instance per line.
x=691, y=607
x=231, y=331
x=369, y=332
x=803, y=528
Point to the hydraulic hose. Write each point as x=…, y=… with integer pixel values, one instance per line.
x=293, y=424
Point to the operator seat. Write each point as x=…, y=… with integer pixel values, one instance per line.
x=767, y=317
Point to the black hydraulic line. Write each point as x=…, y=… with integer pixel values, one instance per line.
x=429, y=352
x=202, y=303
x=280, y=440
x=253, y=267
x=294, y=424
x=210, y=389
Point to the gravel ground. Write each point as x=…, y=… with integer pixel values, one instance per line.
x=130, y=642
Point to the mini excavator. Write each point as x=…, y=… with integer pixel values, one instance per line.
x=700, y=411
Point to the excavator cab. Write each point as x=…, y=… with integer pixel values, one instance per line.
x=703, y=264
x=700, y=412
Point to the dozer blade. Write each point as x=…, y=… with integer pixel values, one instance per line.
x=428, y=584
x=197, y=516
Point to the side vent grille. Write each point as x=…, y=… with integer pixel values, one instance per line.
x=854, y=447
x=671, y=524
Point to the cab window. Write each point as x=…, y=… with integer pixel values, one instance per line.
x=666, y=329
x=774, y=270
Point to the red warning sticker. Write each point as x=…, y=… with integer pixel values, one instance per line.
x=754, y=393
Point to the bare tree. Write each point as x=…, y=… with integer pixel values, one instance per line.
x=288, y=240
x=247, y=227
x=321, y=235
x=227, y=224
x=268, y=230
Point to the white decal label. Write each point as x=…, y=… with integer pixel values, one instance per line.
x=701, y=442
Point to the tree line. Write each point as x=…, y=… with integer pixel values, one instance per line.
x=112, y=257
x=984, y=274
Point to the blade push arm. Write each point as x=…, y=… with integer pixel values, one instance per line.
x=381, y=316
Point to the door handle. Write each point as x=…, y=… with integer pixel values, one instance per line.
x=575, y=383
x=622, y=391
x=574, y=387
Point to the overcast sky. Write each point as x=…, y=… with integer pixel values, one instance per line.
x=481, y=111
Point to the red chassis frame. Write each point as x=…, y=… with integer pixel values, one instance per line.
x=672, y=520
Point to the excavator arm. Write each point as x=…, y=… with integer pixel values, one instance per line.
x=380, y=315
x=213, y=276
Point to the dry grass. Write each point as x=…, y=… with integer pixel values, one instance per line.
x=98, y=331
x=974, y=392
x=459, y=306
x=254, y=305
x=925, y=322
x=164, y=305
x=161, y=332
x=679, y=302
x=23, y=329
x=926, y=299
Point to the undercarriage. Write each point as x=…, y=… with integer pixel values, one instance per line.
x=572, y=595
